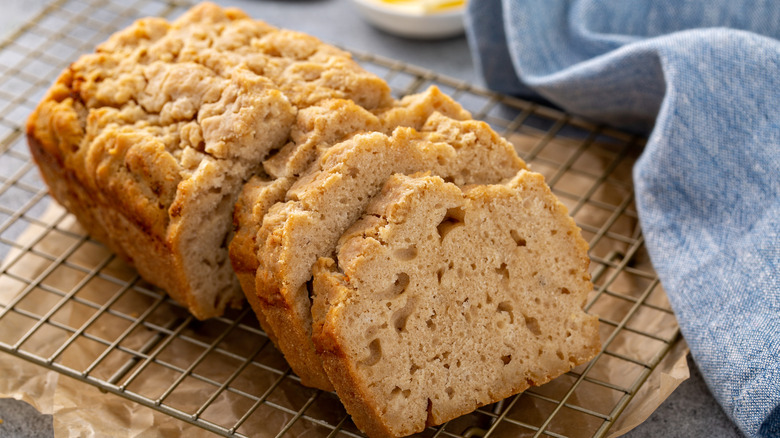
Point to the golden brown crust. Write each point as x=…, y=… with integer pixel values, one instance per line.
x=284, y=323
x=257, y=196
x=414, y=110
x=317, y=128
x=247, y=281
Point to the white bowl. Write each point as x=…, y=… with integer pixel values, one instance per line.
x=412, y=22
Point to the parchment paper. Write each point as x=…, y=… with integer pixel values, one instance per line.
x=81, y=410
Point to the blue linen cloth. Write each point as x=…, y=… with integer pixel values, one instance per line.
x=703, y=78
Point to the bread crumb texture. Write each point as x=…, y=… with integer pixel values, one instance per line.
x=442, y=300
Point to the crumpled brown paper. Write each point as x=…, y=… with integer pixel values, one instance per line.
x=78, y=409
x=81, y=410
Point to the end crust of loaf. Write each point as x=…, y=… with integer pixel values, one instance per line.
x=441, y=301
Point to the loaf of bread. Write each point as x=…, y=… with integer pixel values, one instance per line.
x=149, y=140
x=393, y=249
x=440, y=300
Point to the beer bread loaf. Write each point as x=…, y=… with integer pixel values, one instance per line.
x=393, y=249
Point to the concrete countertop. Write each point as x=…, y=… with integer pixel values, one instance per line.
x=691, y=411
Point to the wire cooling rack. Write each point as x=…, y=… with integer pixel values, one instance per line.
x=68, y=304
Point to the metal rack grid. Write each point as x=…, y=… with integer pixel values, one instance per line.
x=68, y=304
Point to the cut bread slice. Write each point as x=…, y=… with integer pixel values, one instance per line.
x=149, y=140
x=440, y=301
x=332, y=195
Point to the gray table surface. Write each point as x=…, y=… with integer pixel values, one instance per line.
x=690, y=412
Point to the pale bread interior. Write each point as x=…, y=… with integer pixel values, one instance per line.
x=441, y=300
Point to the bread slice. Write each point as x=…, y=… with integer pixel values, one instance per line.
x=332, y=195
x=317, y=128
x=149, y=140
x=440, y=301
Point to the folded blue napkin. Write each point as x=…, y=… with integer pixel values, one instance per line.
x=702, y=77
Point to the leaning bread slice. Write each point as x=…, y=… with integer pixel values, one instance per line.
x=149, y=140
x=440, y=301
x=332, y=195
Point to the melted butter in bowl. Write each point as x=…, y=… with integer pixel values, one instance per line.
x=422, y=19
